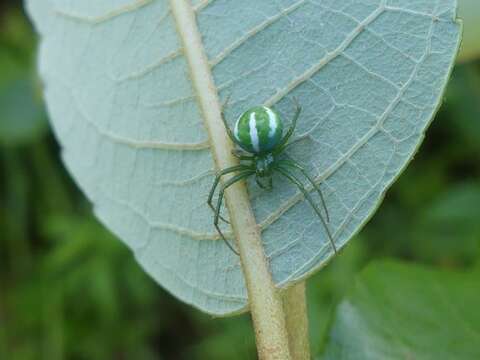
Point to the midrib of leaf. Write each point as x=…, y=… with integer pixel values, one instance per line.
x=264, y=300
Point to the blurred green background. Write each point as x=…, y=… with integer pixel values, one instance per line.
x=70, y=290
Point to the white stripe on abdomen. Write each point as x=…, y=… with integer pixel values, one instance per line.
x=235, y=130
x=272, y=122
x=253, y=132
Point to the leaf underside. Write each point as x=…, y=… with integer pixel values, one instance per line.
x=368, y=73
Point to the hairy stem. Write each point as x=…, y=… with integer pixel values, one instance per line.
x=265, y=301
x=295, y=305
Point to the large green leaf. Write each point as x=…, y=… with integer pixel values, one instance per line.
x=402, y=311
x=369, y=74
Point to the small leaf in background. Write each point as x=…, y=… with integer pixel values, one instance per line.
x=22, y=115
x=85, y=277
x=448, y=229
x=469, y=12
x=463, y=104
x=327, y=288
x=405, y=311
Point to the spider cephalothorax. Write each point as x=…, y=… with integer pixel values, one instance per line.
x=258, y=133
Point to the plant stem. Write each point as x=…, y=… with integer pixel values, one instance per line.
x=266, y=304
x=265, y=301
x=295, y=306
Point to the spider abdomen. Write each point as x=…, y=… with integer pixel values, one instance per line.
x=259, y=130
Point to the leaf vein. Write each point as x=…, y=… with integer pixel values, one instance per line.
x=95, y=20
x=327, y=58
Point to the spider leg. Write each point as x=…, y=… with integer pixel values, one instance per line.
x=281, y=146
x=259, y=183
x=227, y=128
x=242, y=155
x=230, y=182
x=305, y=173
x=216, y=182
x=227, y=100
x=267, y=187
x=307, y=195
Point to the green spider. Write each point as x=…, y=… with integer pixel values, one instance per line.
x=258, y=132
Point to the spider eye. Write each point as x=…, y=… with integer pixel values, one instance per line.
x=259, y=129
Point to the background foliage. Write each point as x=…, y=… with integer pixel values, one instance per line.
x=69, y=289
